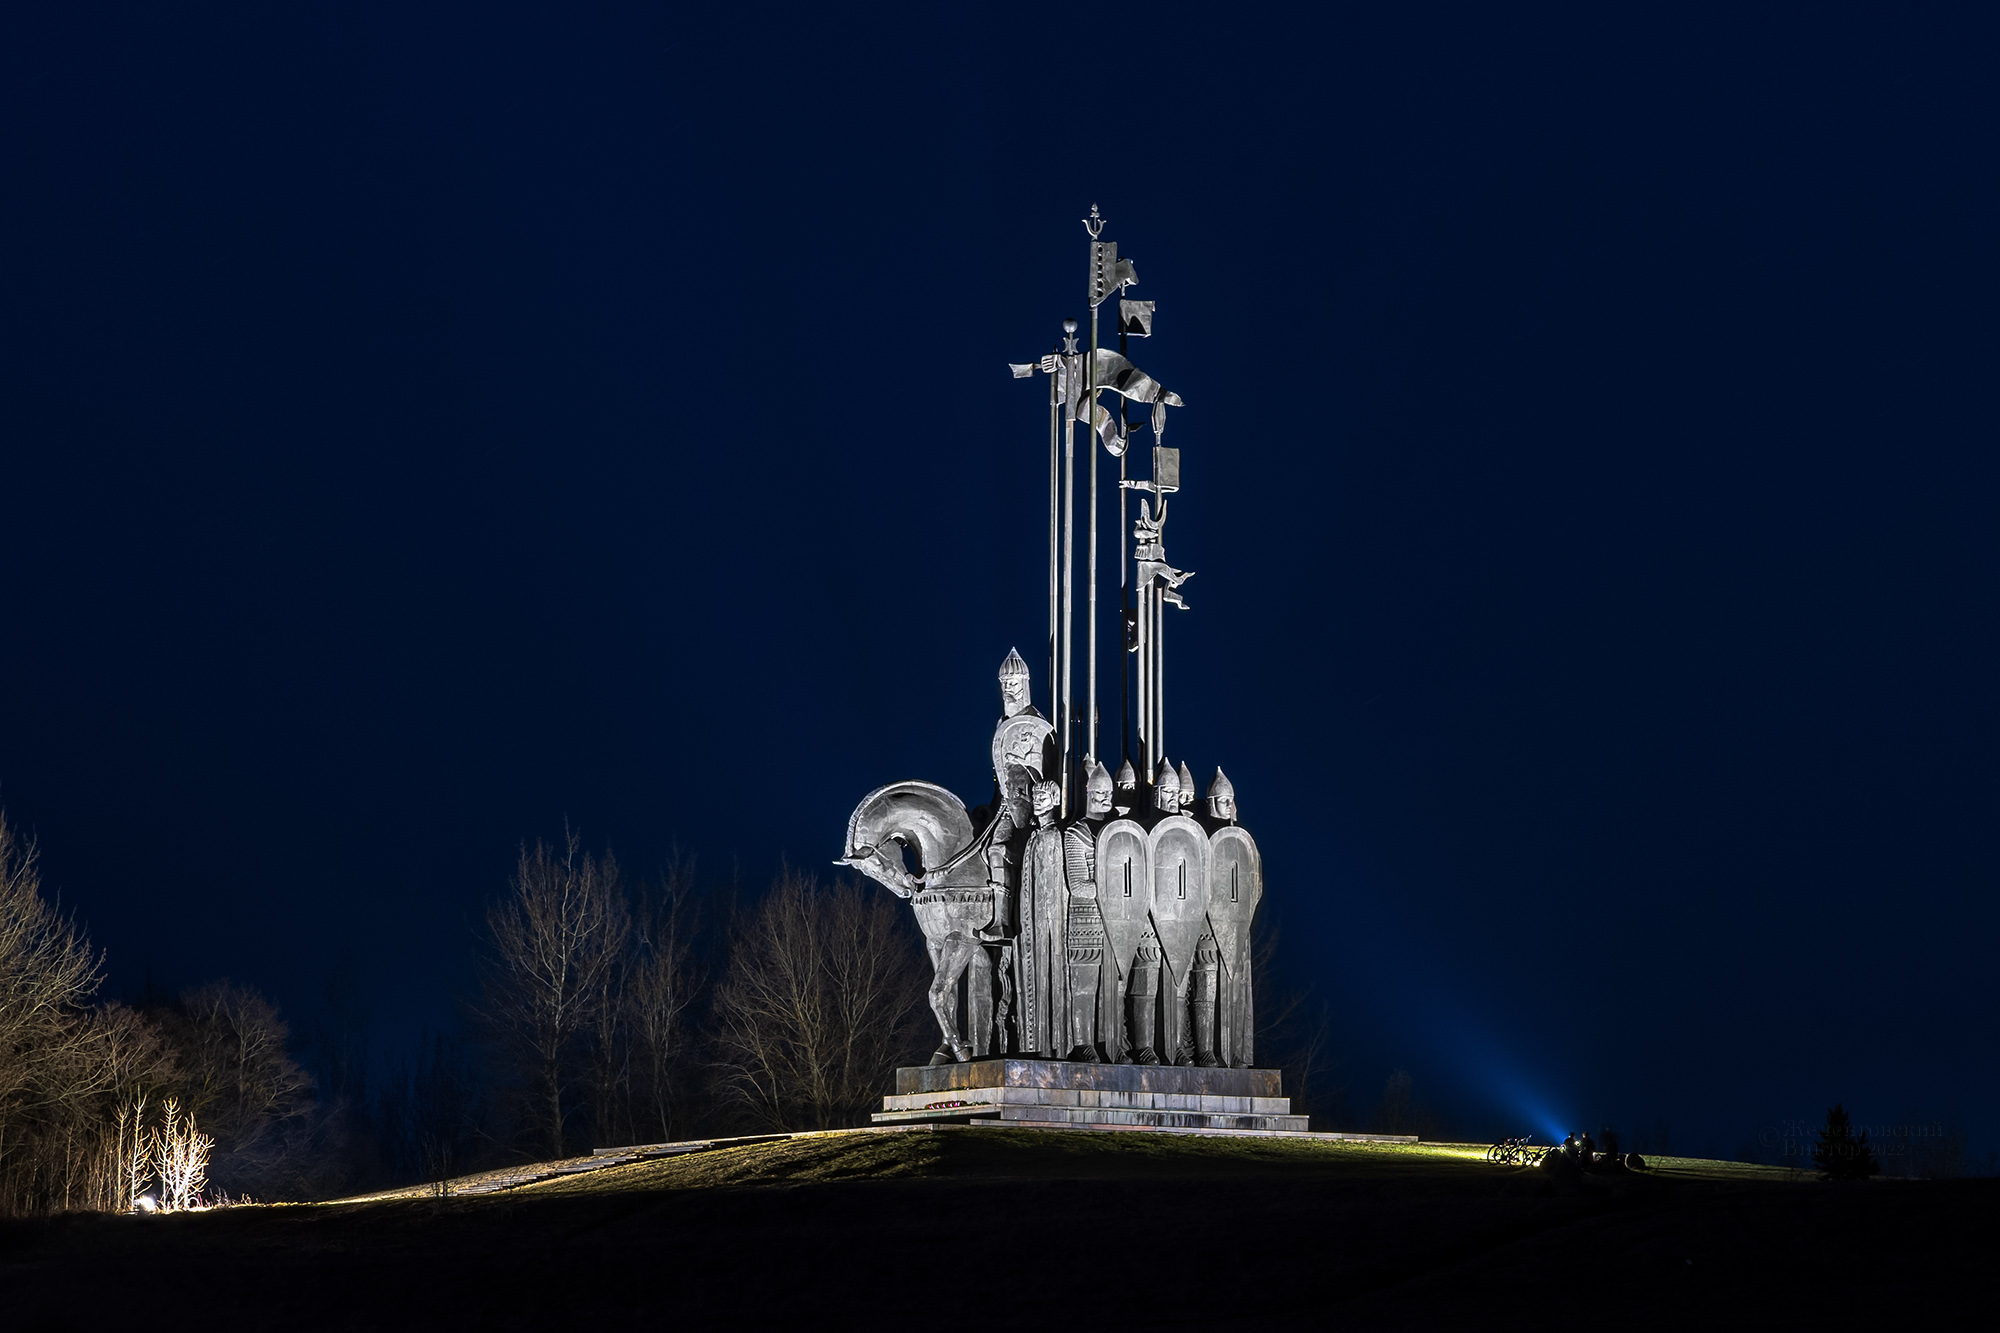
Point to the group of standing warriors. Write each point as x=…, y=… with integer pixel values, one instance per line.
x=1082, y=977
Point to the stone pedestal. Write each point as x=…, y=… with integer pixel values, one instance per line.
x=1025, y=1093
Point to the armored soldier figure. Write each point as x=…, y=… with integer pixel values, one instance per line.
x=1086, y=923
x=1142, y=999
x=1203, y=997
x=1019, y=753
x=1022, y=735
x=1041, y=955
x=1012, y=818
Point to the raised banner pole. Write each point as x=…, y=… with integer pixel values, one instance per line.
x=1096, y=226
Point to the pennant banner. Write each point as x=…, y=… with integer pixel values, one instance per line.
x=1120, y=376
x=1117, y=375
x=1108, y=273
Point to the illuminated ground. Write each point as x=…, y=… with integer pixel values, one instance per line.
x=980, y=1227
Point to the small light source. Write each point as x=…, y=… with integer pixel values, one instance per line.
x=1166, y=469
x=1135, y=318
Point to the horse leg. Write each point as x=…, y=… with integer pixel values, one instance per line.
x=954, y=955
x=979, y=1000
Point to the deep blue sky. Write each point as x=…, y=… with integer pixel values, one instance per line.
x=418, y=427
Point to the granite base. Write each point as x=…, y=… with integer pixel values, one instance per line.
x=1030, y=1093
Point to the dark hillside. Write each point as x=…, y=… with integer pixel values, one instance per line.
x=977, y=1228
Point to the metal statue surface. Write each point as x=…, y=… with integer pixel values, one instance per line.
x=1081, y=916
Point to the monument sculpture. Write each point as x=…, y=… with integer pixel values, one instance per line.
x=1089, y=935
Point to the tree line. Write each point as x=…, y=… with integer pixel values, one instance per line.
x=610, y=1009
x=85, y=1085
x=620, y=1012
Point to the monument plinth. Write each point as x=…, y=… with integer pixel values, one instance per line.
x=1028, y=1093
x=1089, y=935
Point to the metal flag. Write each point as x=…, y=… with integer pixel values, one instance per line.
x=1117, y=375
x=1135, y=318
x=1120, y=376
x=1109, y=430
x=1023, y=369
x=1108, y=273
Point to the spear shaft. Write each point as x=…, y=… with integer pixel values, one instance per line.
x=1090, y=441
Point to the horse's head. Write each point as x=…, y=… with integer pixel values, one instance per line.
x=919, y=817
x=884, y=865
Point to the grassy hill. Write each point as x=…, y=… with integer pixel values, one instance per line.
x=980, y=1227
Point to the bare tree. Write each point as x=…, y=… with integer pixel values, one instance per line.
x=47, y=972
x=609, y=1039
x=239, y=1079
x=179, y=1153
x=141, y=1064
x=824, y=987
x=53, y=1078
x=554, y=945
x=662, y=983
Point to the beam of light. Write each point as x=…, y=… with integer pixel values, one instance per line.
x=1486, y=1063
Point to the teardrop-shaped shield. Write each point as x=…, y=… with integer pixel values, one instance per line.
x=1124, y=889
x=1236, y=885
x=1179, y=849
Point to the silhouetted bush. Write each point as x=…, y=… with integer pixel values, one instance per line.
x=1842, y=1154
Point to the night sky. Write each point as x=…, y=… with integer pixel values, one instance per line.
x=421, y=426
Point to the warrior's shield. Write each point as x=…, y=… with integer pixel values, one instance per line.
x=1236, y=884
x=1021, y=739
x=1180, y=889
x=1124, y=889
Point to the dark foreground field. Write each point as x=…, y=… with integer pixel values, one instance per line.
x=972, y=1228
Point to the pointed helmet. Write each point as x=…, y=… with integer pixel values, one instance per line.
x=1188, y=789
x=1222, y=798
x=1128, y=777
x=1166, y=777
x=1100, y=781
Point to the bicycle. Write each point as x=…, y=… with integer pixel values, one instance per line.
x=1515, y=1152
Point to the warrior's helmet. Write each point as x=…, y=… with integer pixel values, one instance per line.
x=1097, y=793
x=1125, y=788
x=1014, y=682
x=1222, y=798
